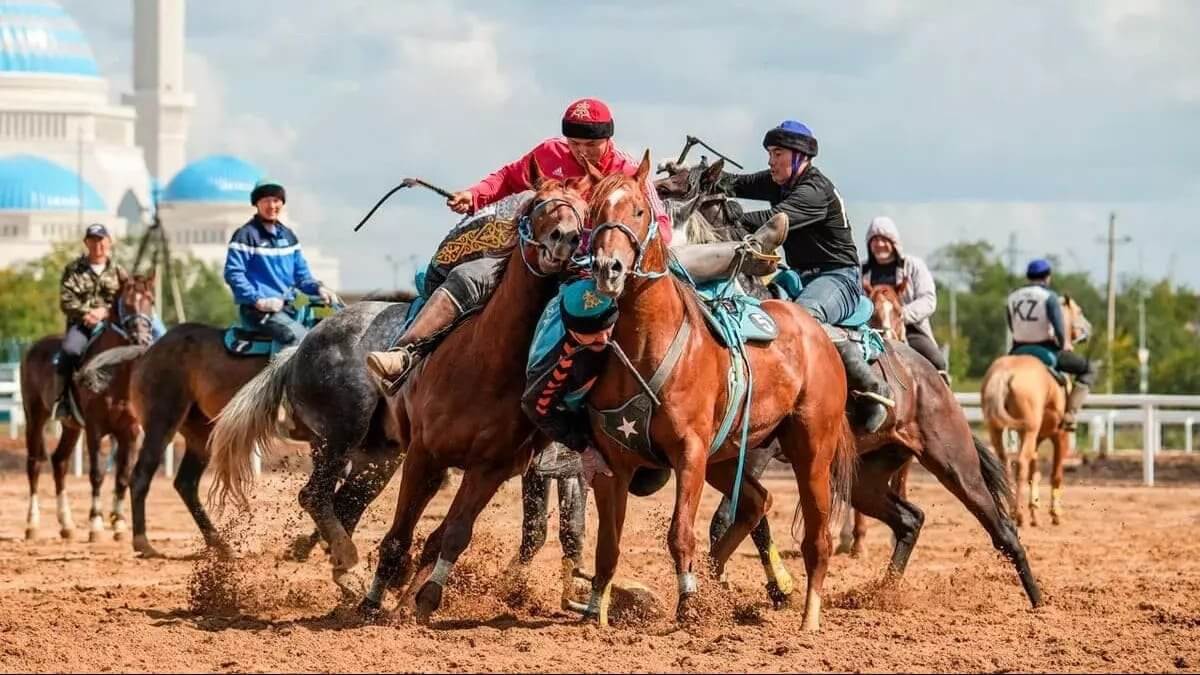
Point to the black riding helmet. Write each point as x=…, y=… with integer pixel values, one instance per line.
x=792, y=135
x=267, y=188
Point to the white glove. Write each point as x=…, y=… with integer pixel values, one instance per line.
x=327, y=296
x=269, y=305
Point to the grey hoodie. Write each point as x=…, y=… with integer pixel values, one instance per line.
x=920, y=294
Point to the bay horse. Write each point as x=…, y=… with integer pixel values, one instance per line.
x=446, y=415
x=928, y=425
x=802, y=403
x=1018, y=392
x=104, y=413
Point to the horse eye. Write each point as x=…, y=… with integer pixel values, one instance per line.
x=639, y=213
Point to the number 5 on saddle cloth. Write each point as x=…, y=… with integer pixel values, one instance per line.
x=568, y=353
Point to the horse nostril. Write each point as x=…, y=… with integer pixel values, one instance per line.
x=615, y=268
x=555, y=236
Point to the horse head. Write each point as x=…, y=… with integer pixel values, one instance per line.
x=624, y=234
x=1077, y=328
x=700, y=210
x=133, y=312
x=552, y=221
x=888, y=316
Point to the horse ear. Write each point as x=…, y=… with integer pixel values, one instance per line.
x=643, y=168
x=535, y=173
x=712, y=176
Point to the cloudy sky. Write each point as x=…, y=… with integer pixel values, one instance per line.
x=961, y=120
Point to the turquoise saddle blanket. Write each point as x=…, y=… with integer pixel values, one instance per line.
x=242, y=339
x=1046, y=355
x=787, y=285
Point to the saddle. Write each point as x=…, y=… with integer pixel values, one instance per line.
x=787, y=286
x=1048, y=357
x=243, y=339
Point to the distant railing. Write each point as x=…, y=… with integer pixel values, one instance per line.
x=1104, y=412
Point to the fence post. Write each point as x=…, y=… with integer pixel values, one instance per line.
x=1187, y=435
x=1094, y=430
x=1148, y=443
x=1110, y=436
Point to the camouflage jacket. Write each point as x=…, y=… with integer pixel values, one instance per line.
x=82, y=289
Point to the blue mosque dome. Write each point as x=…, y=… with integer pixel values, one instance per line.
x=39, y=37
x=216, y=178
x=29, y=183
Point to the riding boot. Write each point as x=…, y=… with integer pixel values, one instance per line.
x=393, y=365
x=873, y=395
x=64, y=372
x=1074, y=402
x=711, y=262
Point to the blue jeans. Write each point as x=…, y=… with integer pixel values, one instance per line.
x=830, y=296
x=281, y=326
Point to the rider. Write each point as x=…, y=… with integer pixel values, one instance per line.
x=819, y=246
x=587, y=130
x=887, y=264
x=263, y=266
x=1035, y=318
x=90, y=284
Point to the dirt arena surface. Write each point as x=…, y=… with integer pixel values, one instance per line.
x=1122, y=579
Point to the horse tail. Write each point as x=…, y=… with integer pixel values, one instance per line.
x=995, y=398
x=995, y=478
x=249, y=419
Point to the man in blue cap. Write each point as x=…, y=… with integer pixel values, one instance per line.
x=819, y=247
x=264, y=265
x=1035, y=318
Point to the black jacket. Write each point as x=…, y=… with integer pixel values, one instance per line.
x=819, y=232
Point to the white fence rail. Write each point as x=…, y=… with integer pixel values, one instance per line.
x=1104, y=412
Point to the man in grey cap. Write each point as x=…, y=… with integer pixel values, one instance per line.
x=90, y=284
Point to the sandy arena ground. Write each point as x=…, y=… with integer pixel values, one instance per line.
x=1122, y=577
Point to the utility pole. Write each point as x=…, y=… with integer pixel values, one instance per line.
x=1112, y=296
x=1012, y=252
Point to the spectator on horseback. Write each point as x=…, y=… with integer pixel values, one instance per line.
x=819, y=246
x=90, y=284
x=887, y=264
x=1035, y=318
x=587, y=130
x=264, y=265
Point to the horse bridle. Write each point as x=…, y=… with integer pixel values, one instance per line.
x=125, y=323
x=639, y=245
x=525, y=228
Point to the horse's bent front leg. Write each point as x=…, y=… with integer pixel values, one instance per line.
x=478, y=487
x=612, y=494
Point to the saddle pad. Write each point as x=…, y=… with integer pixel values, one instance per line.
x=733, y=311
x=1047, y=356
x=869, y=340
x=241, y=342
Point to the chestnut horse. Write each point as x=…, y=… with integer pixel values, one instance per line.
x=1018, y=392
x=928, y=425
x=888, y=320
x=104, y=413
x=802, y=402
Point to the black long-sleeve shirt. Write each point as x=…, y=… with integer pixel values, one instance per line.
x=819, y=233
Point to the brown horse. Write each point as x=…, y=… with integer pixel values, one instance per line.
x=1018, y=392
x=888, y=320
x=103, y=414
x=461, y=408
x=799, y=398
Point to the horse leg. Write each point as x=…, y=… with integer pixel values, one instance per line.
x=125, y=441
x=753, y=505
x=979, y=483
x=96, y=467
x=612, y=494
x=62, y=454
x=419, y=482
x=681, y=538
x=875, y=495
x=351, y=500
x=35, y=448
x=316, y=498
x=162, y=421
x=1028, y=474
x=1061, y=448
x=187, y=481
x=812, y=459
x=572, y=532
x=478, y=487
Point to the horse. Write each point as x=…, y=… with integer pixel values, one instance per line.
x=928, y=425
x=436, y=417
x=802, y=405
x=103, y=414
x=888, y=320
x=1019, y=392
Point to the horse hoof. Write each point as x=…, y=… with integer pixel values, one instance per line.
x=119, y=535
x=685, y=612
x=93, y=537
x=141, y=546
x=843, y=548
x=343, y=553
x=1055, y=519
x=350, y=583
x=779, y=599
x=370, y=610
x=856, y=551
x=67, y=535
x=429, y=598
x=30, y=534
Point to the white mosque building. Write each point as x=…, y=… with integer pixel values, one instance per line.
x=70, y=156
